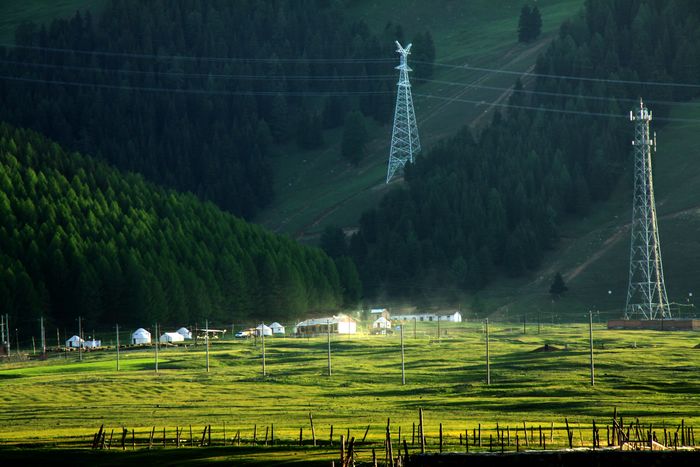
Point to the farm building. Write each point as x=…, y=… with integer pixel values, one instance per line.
x=381, y=325
x=75, y=342
x=171, y=337
x=453, y=317
x=263, y=330
x=184, y=332
x=340, y=324
x=277, y=328
x=92, y=344
x=141, y=336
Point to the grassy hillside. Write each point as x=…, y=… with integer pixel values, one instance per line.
x=593, y=254
x=14, y=12
x=446, y=378
x=320, y=188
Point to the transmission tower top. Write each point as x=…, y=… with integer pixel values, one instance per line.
x=403, y=66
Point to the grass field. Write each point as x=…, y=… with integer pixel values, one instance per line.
x=61, y=403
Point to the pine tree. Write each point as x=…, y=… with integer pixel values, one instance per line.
x=558, y=286
x=354, y=138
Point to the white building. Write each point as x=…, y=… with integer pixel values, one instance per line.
x=75, y=342
x=171, y=337
x=263, y=330
x=452, y=317
x=141, y=336
x=341, y=324
x=381, y=325
x=92, y=344
x=184, y=332
x=277, y=328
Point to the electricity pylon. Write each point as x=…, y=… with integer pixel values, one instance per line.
x=405, y=143
x=646, y=293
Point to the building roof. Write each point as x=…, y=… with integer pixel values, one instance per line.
x=328, y=320
x=141, y=332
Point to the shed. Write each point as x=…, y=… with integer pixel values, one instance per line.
x=92, y=344
x=264, y=330
x=141, y=336
x=184, y=332
x=277, y=328
x=75, y=342
x=171, y=337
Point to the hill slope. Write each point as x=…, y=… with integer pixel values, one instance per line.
x=594, y=252
x=78, y=238
x=319, y=188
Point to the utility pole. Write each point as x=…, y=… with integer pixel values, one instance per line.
x=262, y=343
x=118, y=347
x=524, y=324
x=156, y=346
x=80, y=338
x=206, y=342
x=488, y=362
x=2, y=331
x=438, y=316
x=646, y=291
x=405, y=143
x=590, y=337
x=403, y=370
x=415, y=325
x=328, y=331
x=43, y=337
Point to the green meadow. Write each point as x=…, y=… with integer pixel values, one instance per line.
x=61, y=402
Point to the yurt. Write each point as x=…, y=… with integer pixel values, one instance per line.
x=141, y=336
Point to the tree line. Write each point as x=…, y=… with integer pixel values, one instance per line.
x=247, y=78
x=78, y=238
x=482, y=205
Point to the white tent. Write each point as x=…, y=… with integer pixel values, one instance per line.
x=184, y=332
x=265, y=330
x=75, y=342
x=141, y=336
x=170, y=337
x=92, y=344
x=277, y=328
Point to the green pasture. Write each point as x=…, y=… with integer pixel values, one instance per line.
x=61, y=402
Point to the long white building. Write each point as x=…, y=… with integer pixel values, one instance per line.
x=452, y=317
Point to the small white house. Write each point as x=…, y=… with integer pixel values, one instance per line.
x=75, y=342
x=184, y=332
x=263, y=330
x=141, y=336
x=381, y=324
x=277, y=328
x=92, y=344
x=171, y=337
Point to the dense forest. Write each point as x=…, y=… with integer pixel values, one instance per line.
x=78, y=238
x=482, y=205
x=197, y=95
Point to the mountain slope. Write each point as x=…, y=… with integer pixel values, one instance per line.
x=78, y=238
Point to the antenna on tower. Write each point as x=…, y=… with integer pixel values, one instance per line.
x=405, y=143
x=646, y=293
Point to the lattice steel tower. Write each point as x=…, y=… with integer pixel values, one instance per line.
x=646, y=293
x=405, y=143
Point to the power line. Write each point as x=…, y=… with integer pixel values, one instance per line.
x=563, y=77
x=198, y=58
x=189, y=91
x=269, y=77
